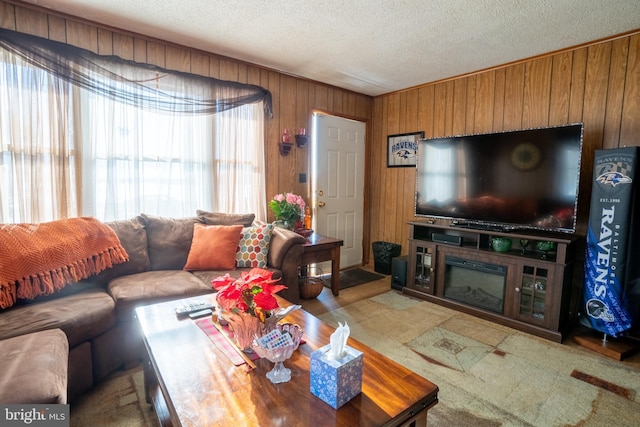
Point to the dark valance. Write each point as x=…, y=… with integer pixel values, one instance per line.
x=141, y=85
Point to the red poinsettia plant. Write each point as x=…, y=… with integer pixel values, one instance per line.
x=252, y=293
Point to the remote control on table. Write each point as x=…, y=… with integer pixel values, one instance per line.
x=201, y=313
x=192, y=307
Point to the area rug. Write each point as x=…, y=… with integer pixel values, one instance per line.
x=117, y=402
x=353, y=277
x=491, y=375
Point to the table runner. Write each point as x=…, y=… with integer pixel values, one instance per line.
x=229, y=350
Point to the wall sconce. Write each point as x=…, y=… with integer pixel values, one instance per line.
x=302, y=138
x=286, y=144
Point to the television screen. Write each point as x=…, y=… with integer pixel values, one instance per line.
x=525, y=179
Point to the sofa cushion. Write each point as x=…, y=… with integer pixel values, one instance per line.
x=34, y=368
x=253, y=247
x=133, y=237
x=81, y=316
x=71, y=289
x=213, y=247
x=218, y=218
x=151, y=287
x=169, y=240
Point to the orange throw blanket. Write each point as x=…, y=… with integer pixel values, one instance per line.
x=39, y=259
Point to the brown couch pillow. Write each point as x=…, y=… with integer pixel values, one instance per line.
x=217, y=218
x=213, y=247
x=133, y=237
x=169, y=240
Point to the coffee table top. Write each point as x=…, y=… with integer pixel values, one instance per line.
x=202, y=387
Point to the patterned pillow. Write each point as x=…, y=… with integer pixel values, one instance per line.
x=254, y=246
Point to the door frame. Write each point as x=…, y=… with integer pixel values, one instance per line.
x=366, y=208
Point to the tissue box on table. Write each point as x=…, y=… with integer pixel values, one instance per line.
x=336, y=381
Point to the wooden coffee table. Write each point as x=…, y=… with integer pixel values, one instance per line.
x=192, y=383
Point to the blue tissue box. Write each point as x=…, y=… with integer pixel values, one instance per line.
x=336, y=381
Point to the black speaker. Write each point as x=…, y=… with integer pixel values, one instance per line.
x=447, y=238
x=399, y=272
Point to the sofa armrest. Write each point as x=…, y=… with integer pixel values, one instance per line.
x=285, y=254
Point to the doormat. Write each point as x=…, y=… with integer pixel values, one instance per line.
x=353, y=277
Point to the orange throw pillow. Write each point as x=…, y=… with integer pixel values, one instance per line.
x=213, y=247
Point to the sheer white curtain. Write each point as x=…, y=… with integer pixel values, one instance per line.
x=37, y=157
x=125, y=139
x=136, y=160
x=239, y=171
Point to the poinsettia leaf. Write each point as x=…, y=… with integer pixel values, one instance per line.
x=265, y=301
x=261, y=272
x=272, y=289
x=222, y=281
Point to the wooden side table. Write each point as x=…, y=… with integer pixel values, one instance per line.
x=321, y=248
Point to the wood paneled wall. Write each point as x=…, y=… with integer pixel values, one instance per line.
x=294, y=99
x=598, y=85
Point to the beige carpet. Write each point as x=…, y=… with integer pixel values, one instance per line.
x=491, y=375
x=119, y=401
x=488, y=374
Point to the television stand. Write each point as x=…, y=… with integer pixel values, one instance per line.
x=521, y=288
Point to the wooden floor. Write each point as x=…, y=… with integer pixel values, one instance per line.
x=327, y=302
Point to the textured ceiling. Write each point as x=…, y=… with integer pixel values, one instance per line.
x=368, y=46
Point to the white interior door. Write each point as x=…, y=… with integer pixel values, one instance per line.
x=338, y=183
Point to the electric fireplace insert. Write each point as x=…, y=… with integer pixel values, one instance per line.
x=475, y=283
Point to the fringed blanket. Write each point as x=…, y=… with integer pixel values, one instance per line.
x=39, y=259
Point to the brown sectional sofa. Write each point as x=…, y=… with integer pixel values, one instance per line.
x=97, y=314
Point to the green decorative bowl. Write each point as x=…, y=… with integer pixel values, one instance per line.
x=501, y=244
x=545, y=246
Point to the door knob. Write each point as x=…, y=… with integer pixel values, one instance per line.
x=320, y=204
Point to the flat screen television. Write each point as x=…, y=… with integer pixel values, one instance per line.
x=522, y=179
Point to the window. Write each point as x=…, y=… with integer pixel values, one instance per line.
x=94, y=136
x=37, y=164
x=137, y=161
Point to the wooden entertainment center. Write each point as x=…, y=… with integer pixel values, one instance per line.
x=524, y=288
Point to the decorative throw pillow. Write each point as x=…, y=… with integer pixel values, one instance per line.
x=169, y=240
x=213, y=247
x=253, y=247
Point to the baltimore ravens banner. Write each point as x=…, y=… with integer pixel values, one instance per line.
x=610, y=303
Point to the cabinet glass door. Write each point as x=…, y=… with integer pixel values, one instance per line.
x=532, y=294
x=425, y=258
